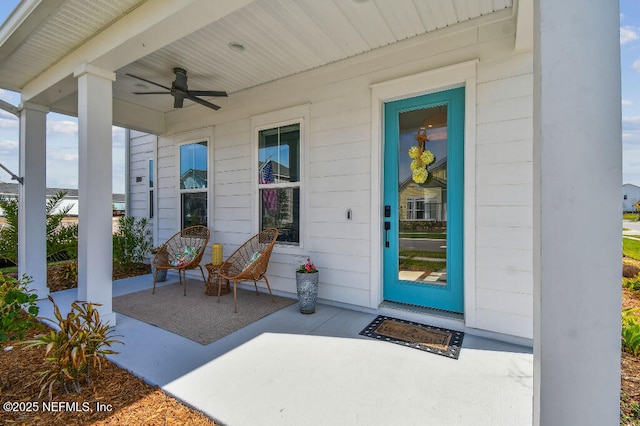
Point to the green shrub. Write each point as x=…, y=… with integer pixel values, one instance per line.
x=62, y=239
x=9, y=231
x=77, y=350
x=632, y=284
x=132, y=242
x=630, y=331
x=17, y=307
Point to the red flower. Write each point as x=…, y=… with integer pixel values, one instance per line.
x=308, y=267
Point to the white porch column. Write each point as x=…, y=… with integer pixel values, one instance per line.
x=95, y=242
x=32, y=238
x=577, y=183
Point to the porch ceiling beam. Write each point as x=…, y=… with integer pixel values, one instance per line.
x=524, y=25
x=9, y=108
x=135, y=117
x=153, y=25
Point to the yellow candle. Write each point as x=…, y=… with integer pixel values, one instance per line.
x=216, y=255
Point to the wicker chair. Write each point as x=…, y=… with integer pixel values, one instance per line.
x=182, y=251
x=249, y=263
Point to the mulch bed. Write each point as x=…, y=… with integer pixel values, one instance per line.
x=123, y=398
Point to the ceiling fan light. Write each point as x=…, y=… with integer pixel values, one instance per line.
x=236, y=47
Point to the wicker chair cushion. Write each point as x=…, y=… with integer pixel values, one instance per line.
x=185, y=255
x=255, y=257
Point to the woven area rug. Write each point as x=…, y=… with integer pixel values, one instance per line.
x=197, y=316
x=435, y=340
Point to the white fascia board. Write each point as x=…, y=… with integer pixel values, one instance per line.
x=25, y=18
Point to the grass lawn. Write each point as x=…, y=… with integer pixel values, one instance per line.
x=631, y=248
x=432, y=235
x=423, y=253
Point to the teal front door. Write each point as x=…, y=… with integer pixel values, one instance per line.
x=423, y=200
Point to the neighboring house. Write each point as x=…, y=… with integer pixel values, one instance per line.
x=193, y=178
x=70, y=200
x=630, y=196
x=425, y=202
x=332, y=89
x=10, y=190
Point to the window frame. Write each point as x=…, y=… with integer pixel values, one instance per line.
x=294, y=115
x=282, y=185
x=205, y=190
x=151, y=188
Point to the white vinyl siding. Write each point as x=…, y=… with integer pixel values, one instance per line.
x=338, y=175
x=141, y=151
x=504, y=188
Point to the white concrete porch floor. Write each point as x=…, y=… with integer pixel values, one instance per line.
x=294, y=369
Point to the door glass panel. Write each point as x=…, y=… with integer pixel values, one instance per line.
x=422, y=196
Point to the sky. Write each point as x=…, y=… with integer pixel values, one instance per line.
x=62, y=131
x=630, y=66
x=62, y=140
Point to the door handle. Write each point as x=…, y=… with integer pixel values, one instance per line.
x=387, y=227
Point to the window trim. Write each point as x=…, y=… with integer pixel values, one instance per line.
x=294, y=115
x=151, y=190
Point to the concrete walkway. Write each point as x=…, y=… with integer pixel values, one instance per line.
x=632, y=228
x=294, y=369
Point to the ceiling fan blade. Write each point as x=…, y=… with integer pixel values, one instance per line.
x=203, y=102
x=149, y=81
x=214, y=93
x=151, y=93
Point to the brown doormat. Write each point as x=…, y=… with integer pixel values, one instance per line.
x=435, y=340
x=197, y=316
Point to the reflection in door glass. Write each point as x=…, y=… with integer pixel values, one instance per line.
x=422, y=196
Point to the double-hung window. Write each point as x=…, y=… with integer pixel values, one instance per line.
x=193, y=183
x=279, y=180
x=422, y=208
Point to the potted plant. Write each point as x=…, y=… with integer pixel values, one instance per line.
x=162, y=273
x=307, y=286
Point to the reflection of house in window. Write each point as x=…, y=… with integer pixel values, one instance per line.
x=427, y=201
x=194, y=179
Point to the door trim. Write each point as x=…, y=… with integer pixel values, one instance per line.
x=462, y=74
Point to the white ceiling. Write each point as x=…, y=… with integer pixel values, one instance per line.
x=280, y=37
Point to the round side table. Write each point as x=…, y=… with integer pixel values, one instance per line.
x=212, y=281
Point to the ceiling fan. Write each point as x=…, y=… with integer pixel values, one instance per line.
x=180, y=91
